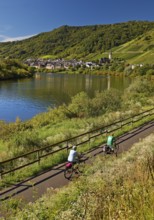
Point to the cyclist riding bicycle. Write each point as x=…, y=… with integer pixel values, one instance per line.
x=111, y=142
x=72, y=165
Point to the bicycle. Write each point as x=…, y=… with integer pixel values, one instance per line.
x=71, y=169
x=108, y=150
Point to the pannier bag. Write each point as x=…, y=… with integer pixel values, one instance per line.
x=69, y=165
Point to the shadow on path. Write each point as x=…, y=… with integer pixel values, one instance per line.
x=54, y=177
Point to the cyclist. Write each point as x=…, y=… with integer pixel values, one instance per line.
x=111, y=142
x=73, y=156
x=72, y=163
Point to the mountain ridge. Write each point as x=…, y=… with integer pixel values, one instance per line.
x=77, y=42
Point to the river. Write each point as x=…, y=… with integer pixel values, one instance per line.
x=25, y=98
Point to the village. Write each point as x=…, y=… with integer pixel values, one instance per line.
x=66, y=64
x=61, y=63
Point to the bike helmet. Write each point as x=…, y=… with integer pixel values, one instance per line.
x=74, y=147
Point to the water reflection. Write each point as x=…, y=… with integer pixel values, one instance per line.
x=28, y=97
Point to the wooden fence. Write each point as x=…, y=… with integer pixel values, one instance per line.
x=19, y=162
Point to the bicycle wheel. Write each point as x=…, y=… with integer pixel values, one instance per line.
x=106, y=150
x=80, y=167
x=116, y=149
x=68, y=173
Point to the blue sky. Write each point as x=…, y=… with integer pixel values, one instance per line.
x=20, y=19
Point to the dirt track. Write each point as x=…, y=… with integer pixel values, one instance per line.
x=34, y=187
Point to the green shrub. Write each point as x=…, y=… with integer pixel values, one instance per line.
x=139, y=92
x=109, y=100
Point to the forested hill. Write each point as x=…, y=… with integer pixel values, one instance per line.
x=76, y=42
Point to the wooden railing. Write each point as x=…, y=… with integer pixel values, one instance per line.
x=19, y=162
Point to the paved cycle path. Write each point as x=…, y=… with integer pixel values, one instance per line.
x=34, y=187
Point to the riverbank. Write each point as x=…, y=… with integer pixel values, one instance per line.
x=81, y=114
x=49, y=90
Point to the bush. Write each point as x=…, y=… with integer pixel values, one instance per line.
x=83, y=106
x=138, y=92
x=79, y=106
x=109, y=100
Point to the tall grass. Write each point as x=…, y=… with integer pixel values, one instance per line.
x=111, y=188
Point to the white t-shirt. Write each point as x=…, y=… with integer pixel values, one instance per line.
x=72, y=156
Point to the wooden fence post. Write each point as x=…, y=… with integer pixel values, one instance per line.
x=89, y=139
x=132, y=121
x=121, y=124
x=67, y=147
x=38, y=157
x=1, y=172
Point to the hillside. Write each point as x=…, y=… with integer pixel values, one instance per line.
x=138, y=50
x=86, y=42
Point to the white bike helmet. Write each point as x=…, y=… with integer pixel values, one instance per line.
x=74, y=147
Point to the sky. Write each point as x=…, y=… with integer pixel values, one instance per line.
x=20, y=19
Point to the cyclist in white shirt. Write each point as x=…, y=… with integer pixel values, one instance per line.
x=73, y=156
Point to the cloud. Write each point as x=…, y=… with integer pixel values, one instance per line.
x=4, y=38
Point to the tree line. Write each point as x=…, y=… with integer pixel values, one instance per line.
x=75, y=41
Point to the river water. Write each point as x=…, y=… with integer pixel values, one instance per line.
x=27, y=97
